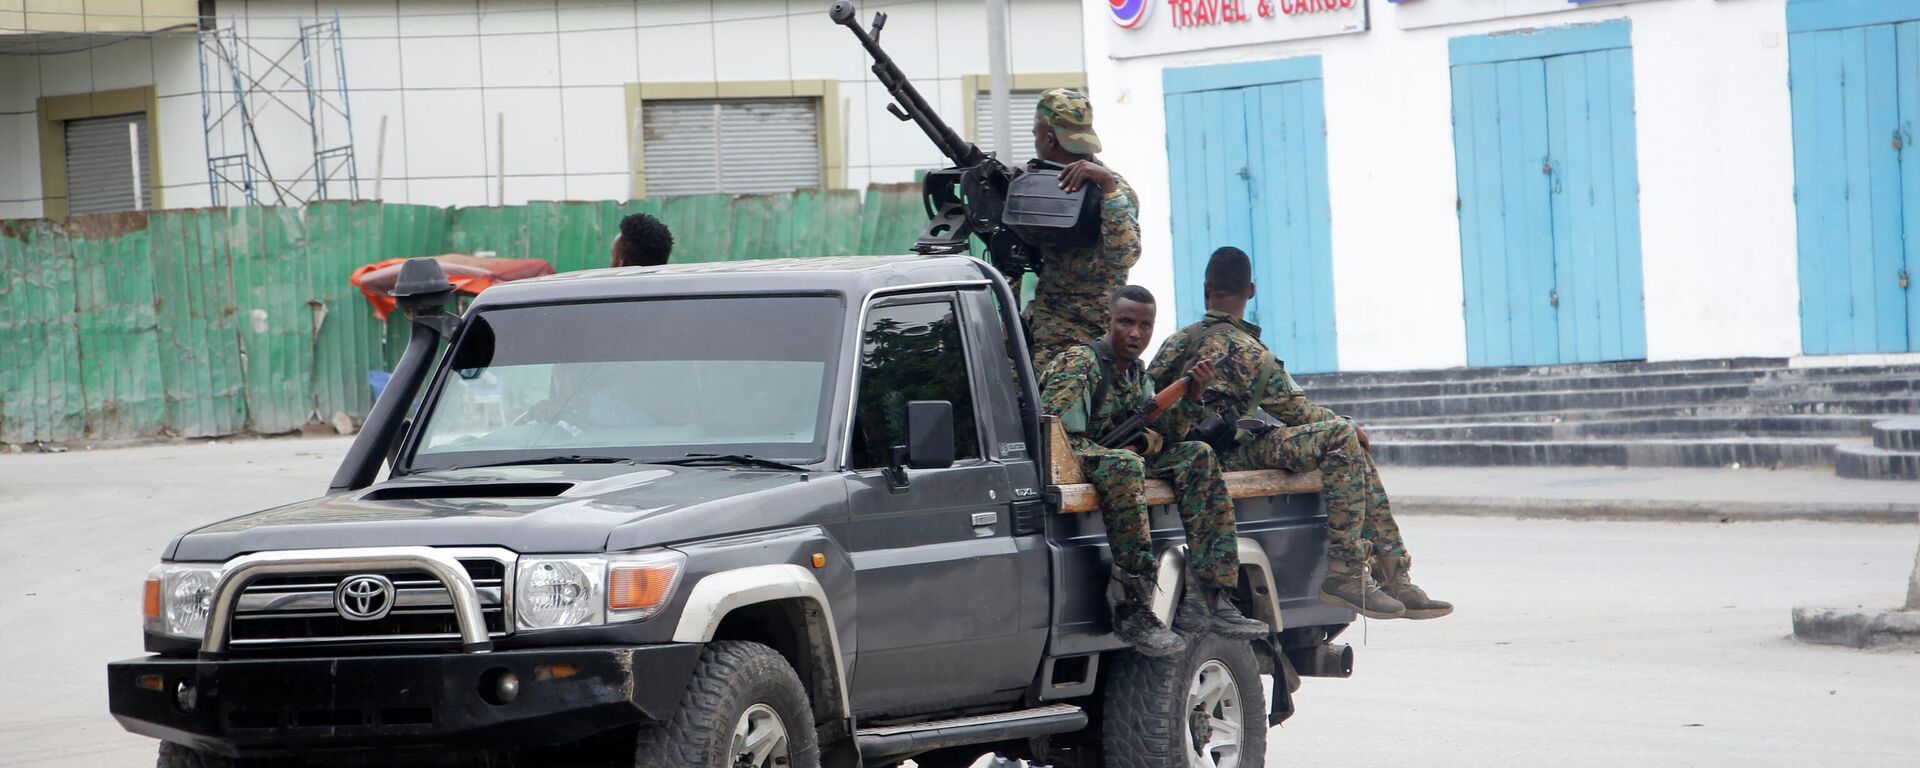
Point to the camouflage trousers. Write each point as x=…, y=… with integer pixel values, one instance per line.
x=1357, y=507
x=1119, y=476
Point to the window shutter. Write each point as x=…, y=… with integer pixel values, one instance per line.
x=100, y=164
x=697, y=147
x=1020, y=104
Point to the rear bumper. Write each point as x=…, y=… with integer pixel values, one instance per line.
x=248, y=707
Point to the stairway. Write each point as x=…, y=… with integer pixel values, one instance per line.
x=1748, y=412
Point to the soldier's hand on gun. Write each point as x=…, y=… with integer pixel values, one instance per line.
x=1080, y=172
x=1198, y=377
x=1365, y=443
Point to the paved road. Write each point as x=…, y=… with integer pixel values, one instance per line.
x=1577, y=644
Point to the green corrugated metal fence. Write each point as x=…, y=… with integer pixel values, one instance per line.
x=200, y=323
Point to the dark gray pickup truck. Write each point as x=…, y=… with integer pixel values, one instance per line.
x=777, y=513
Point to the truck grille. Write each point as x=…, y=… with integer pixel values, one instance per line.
x=299, y=608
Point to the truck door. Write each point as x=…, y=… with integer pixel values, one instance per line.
x=939, y=619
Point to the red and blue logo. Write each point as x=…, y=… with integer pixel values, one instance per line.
x=1129, y=14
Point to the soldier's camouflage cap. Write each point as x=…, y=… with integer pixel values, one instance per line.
x=1071, y=117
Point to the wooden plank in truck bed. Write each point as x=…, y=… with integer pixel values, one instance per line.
x=1076, y=495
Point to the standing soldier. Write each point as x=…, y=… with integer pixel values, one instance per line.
x=1250, y=377
x=1075, y=283
x=1092, y=388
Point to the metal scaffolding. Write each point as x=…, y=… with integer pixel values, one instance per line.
x=246, y=92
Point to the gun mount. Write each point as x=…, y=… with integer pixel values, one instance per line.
x=1012, y=211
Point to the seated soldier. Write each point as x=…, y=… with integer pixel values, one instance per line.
x=1250, y=377
x=1094, y=387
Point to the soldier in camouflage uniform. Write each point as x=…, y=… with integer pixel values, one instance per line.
x=1070, y=301
x=1250, y=380
x=1072, y=389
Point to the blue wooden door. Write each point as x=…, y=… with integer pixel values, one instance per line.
x=1856, y=100
x=1246, y=148
x=1549, y=208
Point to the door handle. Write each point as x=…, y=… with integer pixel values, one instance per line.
x=1553, y=298
x=984, y=519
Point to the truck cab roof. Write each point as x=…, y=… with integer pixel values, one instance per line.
x=845, y=275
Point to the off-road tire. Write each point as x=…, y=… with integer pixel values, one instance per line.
x=176, y=756
x=731, y=678
x=1145, y=716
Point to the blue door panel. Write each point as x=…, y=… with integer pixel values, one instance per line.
x=1907, y=54
x=1248, y=164
x=1853, y=108
x=1575, y=276
x=1549, y=220
x=1484, y=209
x=1466, y=164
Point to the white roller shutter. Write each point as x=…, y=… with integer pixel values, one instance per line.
x=697, y=147
x=100, y=164
x=1020, y=104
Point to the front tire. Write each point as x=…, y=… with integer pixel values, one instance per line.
x=743, y=707
x=176, y=756
x=1202, y=709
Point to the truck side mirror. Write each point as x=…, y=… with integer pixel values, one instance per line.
x=929, y=434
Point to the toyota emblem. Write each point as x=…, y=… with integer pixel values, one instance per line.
x=364, y=598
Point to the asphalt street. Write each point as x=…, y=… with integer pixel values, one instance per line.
x=1576, y=643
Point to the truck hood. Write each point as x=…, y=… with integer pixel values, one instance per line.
x=533, y=509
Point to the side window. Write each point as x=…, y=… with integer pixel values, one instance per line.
x=910, y=352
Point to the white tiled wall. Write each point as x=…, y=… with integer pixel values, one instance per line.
x=443, y=72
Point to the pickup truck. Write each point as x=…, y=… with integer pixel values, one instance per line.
x=792, y=512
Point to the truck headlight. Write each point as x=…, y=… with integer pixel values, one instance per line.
x=179, y=598
x=589, y=590
x=559, y=592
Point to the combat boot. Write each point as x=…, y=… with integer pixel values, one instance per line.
x=1348, y=586
x=1395, y=581
x=1134, y=620
x=1206, y=609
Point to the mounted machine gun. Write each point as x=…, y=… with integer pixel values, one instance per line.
x=1013, y=211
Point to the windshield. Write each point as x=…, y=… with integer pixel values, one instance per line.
x=639, y=380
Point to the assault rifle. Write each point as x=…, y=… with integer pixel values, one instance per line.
x=1012, y=212
x=1128, y=432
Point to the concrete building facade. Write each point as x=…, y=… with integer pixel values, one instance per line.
x=1444, y=183
x=488, y=102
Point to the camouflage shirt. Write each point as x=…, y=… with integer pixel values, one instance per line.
x=1070, y=302
x=1245, y=368
x=1066, y=391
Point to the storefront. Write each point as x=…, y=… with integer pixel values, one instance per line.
x=1438, y=183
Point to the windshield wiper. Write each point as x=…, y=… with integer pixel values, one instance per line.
x=566, y=459
x=737, y=459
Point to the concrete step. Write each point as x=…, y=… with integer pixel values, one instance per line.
x=1863, y=406
x=1657, y=427
x=1746, y=452
x=1866, y=462
x=1807, y=394
x=1350, y=392
x=1891, y=385
x=1901, y=434
x=1591, y=381
x=1530, y=402
x=1352, y=378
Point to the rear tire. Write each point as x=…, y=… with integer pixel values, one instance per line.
x=1154, y=707
x=744, y=701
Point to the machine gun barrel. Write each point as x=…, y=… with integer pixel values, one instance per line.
x=962, y=152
